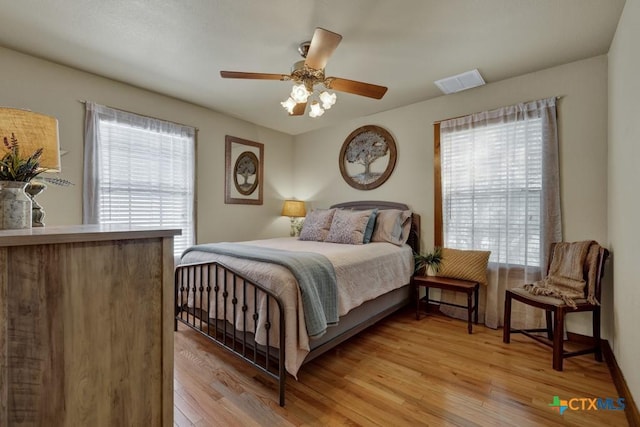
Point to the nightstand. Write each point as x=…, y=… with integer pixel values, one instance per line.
x=457, y=285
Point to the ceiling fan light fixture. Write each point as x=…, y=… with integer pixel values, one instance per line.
x=328, y=99
x=308, y=75
x=299, y=93
x=316, y=110
x=288, y=105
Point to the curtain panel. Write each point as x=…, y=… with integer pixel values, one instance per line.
x=500, y=191
x=139, y=171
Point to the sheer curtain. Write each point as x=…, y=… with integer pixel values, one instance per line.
x=139, y=171
x=501, y=192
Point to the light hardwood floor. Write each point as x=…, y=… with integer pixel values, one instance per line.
x=398, y=372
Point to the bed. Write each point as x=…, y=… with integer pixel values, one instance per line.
x=254, y=307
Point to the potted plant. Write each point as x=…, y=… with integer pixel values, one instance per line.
x=20, y=176
x=15, y=173
x=428, y=263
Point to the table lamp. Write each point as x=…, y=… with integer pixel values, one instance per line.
x=33, y=131
x=294, y=209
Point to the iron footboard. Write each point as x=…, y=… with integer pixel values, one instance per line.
x=208, y=294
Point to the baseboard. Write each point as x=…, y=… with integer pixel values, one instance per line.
x=631, y=410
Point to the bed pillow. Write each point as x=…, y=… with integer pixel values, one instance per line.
x=317, y=224
x=348, y=227
x=368, y=231
x=406, y=226
x=465, y=265
x=393, y=226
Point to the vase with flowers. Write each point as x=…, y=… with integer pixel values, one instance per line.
x=15, y=174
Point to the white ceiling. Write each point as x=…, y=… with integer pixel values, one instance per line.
x=179, y=47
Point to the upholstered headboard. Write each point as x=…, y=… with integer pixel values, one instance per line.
x=414, y=236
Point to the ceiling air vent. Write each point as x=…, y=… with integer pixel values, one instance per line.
x=460, y=82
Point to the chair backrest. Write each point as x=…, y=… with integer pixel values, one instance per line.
x=602, y=257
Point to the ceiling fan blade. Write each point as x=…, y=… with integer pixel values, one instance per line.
x=257, y=76
x=323, y=43
x=298, y=110
x=357, y=88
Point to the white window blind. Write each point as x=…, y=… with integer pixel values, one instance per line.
x=491, y=189
x=144, y=173
x=500, y=191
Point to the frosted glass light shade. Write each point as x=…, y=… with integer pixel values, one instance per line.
x=288, y=105
x=299, y=93
x=328, y=99
x=316, y=110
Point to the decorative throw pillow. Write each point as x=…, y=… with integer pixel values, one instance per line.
x=391, y=225
x=465, y=265
x=348, y=227
x=317, y=224
x=406, y=225
x=368, y=231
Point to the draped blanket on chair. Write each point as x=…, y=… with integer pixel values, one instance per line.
x=570, y=263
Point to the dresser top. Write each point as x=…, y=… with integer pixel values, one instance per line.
x=81, y=233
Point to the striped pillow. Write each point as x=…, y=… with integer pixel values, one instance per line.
x=465, y=265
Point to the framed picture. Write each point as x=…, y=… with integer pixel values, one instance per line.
x=243, y=171
x=367, y=157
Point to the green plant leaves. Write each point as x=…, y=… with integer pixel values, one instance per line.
x=15, y=168
x=431, y=259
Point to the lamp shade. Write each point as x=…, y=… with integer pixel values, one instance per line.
x=33, y=131
x=294, y=208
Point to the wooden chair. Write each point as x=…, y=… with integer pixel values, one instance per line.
x=556, y=310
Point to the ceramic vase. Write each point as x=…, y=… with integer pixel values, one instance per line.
x=15, y=205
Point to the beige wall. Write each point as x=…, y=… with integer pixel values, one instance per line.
x=624, y=191
x=583, y=151
x=45, y=87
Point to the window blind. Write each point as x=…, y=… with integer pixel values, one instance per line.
x=491, y=189
x=146, y=176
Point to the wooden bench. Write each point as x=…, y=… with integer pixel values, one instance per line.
x=446, y=283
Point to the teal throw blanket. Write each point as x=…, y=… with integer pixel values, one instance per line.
x=315, y=275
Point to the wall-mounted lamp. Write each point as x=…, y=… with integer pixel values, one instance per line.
x=294, y=209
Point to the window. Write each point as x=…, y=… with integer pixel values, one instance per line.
x=139, y=171
x=491, y=172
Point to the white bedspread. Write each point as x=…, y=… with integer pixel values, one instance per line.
x=363, y=272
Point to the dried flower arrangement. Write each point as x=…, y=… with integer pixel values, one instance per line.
x=16, y=168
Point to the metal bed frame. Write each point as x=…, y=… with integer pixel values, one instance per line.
x=199, y=281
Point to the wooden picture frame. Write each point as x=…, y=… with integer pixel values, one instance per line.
x=243, y=171
x=364, y=147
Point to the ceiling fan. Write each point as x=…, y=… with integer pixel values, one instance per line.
x=309, y=72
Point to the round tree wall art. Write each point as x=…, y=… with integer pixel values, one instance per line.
x=367, y=157
x=243, y=171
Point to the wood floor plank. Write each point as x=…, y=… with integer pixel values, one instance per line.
x=398, y=372
x=180, y=419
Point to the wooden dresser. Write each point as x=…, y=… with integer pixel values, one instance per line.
x=86, y=326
